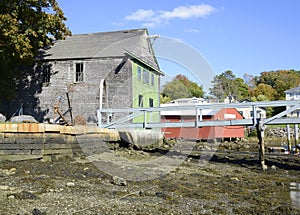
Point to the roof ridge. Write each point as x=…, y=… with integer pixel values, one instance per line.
x=109, y=32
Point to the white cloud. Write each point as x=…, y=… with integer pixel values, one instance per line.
x=154, y=18
x=191, y=30
x=141, y=15
x=186, y=12
x=150, y=24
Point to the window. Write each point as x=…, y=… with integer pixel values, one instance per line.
x=140, y=101
x=46, y=74
x=145, y=76
x=152, y=79
x=242, y=113
x=151, y=102
x=139, y=73
x=79, y=72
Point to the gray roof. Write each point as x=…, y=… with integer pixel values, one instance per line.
x=295, y=89
x=103, y=45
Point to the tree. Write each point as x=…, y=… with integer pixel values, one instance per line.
x=249, y=80
x=280, y=81
x=175, y=90
x=227, y=85
x=271, y=86
x=242, y=89
x=26, y=27
x=181, y=87
x=264, y=92
x=164, y=99
x=192, y=87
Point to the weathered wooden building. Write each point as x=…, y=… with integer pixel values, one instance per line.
x=98, y=70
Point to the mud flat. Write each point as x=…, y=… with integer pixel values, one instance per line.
x=194, y=179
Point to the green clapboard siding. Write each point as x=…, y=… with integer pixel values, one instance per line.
x=146, y=86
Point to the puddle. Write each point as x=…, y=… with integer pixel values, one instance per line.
x=295, y=194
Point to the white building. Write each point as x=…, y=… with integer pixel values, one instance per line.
x=246, y=112
x=189, y=101
x=293, y=94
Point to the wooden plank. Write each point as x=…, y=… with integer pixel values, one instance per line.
x=57, y=151
x=67, y=130
x=16, y=152
x=2, y=127
x=7, y=140
x=30, y=128
x=58, y=140
x=20, y=146
x=22, y=135
x=20, y=157
x=11, y=127
x=30, y=141
x=52, y=128
x=60, y=146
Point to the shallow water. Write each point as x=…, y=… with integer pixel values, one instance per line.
x=295, y=194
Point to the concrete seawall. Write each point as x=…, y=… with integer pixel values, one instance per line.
x=23, y=141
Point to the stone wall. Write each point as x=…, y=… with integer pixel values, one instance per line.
x=43, y=141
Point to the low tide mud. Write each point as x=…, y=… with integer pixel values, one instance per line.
x=222, y=179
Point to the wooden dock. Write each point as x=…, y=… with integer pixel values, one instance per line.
x=21, y=141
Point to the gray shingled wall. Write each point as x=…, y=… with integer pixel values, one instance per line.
x=84, y=96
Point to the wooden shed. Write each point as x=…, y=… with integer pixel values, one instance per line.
x=203, y=133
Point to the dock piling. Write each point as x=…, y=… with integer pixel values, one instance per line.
x=260, y=127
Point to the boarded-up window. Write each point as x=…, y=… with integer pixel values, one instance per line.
x=79, y=72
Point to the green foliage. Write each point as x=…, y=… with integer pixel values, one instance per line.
x=251, y=132
x=228, y=85
x=181, y=87
x=264, y=92
x=193, y=87
x=242, y=89
x=26, y=27
x=164, y=99
x=271, y=85
x=266, y=87
x=175, y=90
x=277, y=82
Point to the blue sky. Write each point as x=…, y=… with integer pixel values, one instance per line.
x=249, y=36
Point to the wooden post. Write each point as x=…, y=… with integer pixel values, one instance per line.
x=288, y=133
x=296, y=137
x=260, y=127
